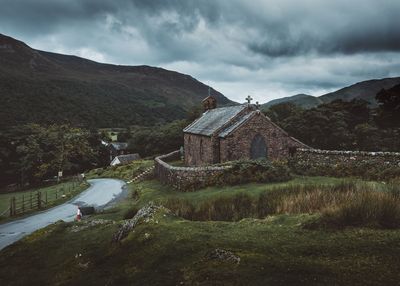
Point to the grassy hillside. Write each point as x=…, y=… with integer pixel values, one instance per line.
x=43, y=87
x=166, y=249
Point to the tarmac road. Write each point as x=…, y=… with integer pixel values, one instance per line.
x=100, y=194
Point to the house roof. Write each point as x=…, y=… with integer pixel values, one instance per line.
x=225, y=132
x=125, y=159
x=119, y=145
x=214, y=119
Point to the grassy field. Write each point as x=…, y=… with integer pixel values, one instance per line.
x=277, y=249
x=54, y=195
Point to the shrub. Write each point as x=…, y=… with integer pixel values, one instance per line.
x=254, y=171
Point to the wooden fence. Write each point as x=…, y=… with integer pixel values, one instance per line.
x=36, y=200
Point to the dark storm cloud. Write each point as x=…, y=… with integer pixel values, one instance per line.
x=41, y=16
x=268, y=47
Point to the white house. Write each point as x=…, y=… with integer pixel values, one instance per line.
x=124, y=159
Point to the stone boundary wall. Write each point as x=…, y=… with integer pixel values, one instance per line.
x=369, y=165
x=328, y=156
x=349, y=153
x=184, y=179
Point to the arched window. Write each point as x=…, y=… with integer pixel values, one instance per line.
x=258, y=149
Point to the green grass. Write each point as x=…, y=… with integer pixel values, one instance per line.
x=169, y=250
x=177, y=163
x=54, y=195
x=123, y=172
x=154, y=190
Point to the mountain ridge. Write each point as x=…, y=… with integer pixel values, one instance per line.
x=45, y=87
x=365, y=90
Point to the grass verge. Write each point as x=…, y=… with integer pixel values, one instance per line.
x=56, y=194
x=170, y=250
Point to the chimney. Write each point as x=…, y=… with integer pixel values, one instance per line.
x=209, y=103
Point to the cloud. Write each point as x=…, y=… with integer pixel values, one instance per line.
x=266, y=48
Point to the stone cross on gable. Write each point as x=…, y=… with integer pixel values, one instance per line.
x=257, y=105
x=249, y=99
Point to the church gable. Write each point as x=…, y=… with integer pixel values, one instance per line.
x=255, y=137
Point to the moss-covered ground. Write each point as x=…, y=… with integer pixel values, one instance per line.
x=169, y=250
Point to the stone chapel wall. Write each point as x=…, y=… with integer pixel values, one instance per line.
x=198, y=150
x=237, y=145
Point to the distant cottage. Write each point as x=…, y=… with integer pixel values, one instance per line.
x=125, y=159
x=117, y=148
x=235, y=132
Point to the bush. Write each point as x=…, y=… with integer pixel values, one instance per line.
x=260, y=171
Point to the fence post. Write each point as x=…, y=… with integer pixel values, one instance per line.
x=23, y=204
x=31, y=200
x=46, y=198
x=11, y=207
x=14, y=210
x=39, y=199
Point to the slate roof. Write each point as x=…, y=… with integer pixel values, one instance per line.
x=236, y=124
x=119, y=145
x=125, y=159
x=214, y=119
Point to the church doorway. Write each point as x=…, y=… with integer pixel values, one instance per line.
x=258, y=149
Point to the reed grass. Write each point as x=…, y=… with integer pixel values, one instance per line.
x=350, y=203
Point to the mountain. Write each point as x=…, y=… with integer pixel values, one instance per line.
x=43, y=87
x=302, y=100
x=366, y=90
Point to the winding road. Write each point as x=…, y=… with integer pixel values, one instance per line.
x=100, y=194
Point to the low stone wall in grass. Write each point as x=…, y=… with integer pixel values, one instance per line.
x=369, y=165
x=185, y=179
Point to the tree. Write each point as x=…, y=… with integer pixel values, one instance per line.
x=389, y=107
x=46, y=151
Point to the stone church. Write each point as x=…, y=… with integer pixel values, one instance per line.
x=235, y=132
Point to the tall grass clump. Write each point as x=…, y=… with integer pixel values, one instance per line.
x=365, y=208
x=223, y=208
x=350, y=203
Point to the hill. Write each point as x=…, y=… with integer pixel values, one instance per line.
x=365, y=90
x=302, y=100
x=43, y=87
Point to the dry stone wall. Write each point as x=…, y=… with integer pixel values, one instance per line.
x=185, y=179
x=370, y=165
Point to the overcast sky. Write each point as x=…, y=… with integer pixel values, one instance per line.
x=266, y=48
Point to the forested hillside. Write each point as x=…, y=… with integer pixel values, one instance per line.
x=342, y=125
x=45, y=88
